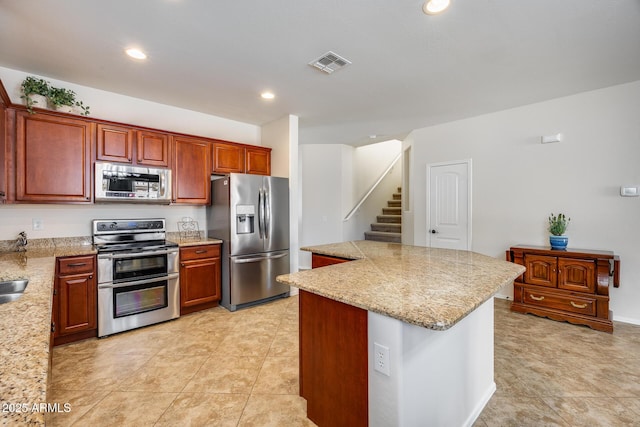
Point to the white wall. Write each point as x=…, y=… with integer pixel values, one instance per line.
x=518, y=182
x=120, y=108
x=282, y=136
x=321, y=194
x=75, y=220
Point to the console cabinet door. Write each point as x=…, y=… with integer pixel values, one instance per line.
x=541, y=270
x=152, y=149
x=577, y=275
x=114, y=143
x=258, y=160
x=191, y=171
x=53, y=158
x=228, y=158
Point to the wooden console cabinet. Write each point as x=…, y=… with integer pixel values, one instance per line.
x=567, y=285
x=75, y=311
x=199, y=277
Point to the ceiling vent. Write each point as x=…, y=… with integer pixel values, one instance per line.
x=329, y=62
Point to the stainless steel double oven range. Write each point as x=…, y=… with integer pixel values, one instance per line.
x=138, y=274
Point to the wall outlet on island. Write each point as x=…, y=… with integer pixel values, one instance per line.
x=381, y=359
x=37, y=224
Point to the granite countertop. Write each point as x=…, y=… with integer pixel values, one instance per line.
x=25, y=326
x=429, y=287
x=191, y=239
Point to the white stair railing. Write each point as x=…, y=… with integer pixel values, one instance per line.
x=353, y=211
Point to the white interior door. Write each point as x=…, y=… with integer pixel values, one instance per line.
x=449, y=205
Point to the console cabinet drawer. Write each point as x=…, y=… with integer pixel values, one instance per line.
x=574, y=304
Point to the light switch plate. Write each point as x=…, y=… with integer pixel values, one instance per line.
x=629, y=191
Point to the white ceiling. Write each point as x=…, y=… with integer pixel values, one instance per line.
x=409, y=70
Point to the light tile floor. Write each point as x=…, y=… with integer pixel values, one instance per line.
x=216, y=368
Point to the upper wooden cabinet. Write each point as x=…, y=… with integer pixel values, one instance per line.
x=116, y=144
x=228, y=158
x=258, y=160
x=53, y=158
x=152, y=148
x=191, y=171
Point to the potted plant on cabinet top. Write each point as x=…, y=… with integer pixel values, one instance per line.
x=557, y=226
x=35, y=92
x=65, y=100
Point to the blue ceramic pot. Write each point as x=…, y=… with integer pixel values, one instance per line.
x=558, y=242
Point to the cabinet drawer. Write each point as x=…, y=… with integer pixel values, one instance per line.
x=574, y=304
x=76, y=265
x=199, y=252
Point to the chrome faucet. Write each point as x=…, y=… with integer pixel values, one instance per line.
x=21, y=242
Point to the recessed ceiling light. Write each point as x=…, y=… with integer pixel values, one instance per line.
x=136, y=53
x=433, y=7
x=267, y=95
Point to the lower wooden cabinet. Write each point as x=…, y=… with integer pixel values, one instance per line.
x=199, y=277
x=74, y=313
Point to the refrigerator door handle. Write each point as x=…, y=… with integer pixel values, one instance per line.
x=260, y=214
x=267, y=213
x=257, y=259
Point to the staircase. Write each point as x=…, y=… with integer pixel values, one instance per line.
x=388, y=227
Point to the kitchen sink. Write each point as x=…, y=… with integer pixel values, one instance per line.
x=11, y=290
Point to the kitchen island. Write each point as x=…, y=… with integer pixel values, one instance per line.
x=423, y=317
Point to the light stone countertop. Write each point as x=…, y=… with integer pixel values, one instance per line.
x=25, y=326
x=429, y=287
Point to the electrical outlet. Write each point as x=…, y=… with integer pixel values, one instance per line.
x=37, y=224
x=381, y=359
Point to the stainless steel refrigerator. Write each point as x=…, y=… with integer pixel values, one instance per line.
x=250, y=214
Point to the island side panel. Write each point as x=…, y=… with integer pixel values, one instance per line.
x=333, y=361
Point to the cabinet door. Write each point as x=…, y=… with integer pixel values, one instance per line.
x=541, y=270
x=258, y=160
x=53, y=158
x=152, y=149
x=577, y=275
x=199, y=281
x=228, y=158
x=114, y=143
x=191, y=171
x=77, y=304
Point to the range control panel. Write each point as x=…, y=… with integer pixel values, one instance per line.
x=127, y=225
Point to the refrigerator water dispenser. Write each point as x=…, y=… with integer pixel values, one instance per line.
x=245, y=219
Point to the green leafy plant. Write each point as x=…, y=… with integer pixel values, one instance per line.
x=558, y=224
x=34, y=86
x=62, y=96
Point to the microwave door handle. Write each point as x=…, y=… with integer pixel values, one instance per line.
x=162, y=185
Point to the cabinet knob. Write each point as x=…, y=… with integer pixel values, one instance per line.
x=432, y=231
x=91, y=276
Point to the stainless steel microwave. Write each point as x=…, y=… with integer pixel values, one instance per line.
x=125, y=183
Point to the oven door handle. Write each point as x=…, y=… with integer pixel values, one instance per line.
x=133, y=254
x=112, y=285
